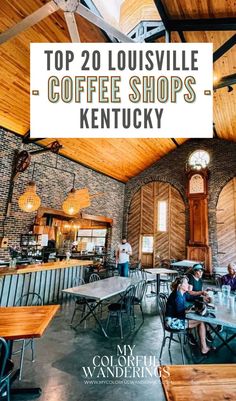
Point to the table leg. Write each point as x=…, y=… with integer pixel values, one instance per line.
x=91, y=312
x=223, y=341
x=158, y=284
x=31, y=391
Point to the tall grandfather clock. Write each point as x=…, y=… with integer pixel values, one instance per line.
x=197, y=191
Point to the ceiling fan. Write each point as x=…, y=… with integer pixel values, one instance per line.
x=70, y=8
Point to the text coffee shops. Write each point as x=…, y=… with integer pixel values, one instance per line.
x=117, y=254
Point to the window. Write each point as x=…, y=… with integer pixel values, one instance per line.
x=162, y=216
x=199, y=159
x=147, y=244
x=92, y=238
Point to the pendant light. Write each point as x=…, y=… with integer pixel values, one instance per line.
x=29, y=201
x=70, y=205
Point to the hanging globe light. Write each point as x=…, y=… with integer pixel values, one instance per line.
x=29, y=201
x=70, y=205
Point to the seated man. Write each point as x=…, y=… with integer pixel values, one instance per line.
x=195, y=280
x=230, y=278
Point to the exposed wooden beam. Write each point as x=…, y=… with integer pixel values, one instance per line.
x=175, y=142
x=162, y=12
x=224, y=48
x=97, y=218
x=206, y=24
x=182, y=37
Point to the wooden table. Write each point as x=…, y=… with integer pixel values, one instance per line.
x=22, y=322
x=99, y=291
x=158, y=272
x=199, y=382
x=25, y=321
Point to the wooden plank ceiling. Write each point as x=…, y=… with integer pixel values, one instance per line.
x=118, y=158
x=224, y=101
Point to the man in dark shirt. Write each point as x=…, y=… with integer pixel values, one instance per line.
x=195, y=280
x=230, y=278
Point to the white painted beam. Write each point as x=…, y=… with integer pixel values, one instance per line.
x=29, y=21
x=101, y=23
x=72, y=27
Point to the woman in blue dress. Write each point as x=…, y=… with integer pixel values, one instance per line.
x=176, y=309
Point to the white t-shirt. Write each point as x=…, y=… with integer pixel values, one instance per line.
x=123, y=255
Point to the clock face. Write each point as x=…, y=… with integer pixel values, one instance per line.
x=196, y=184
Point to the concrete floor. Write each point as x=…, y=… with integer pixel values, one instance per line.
x=62, y=353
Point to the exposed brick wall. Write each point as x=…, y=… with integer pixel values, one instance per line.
x=171, y=169
x=53, y=186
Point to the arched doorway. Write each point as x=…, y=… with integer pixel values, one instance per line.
x=156, y=224
x=226, y=224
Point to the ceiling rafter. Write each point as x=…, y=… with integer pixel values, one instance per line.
x=204, y=24
x=224, y=48
x=163, y=14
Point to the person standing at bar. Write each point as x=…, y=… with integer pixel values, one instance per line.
x=123, y=252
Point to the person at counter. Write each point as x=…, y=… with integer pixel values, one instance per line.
x=230, y=278
x=123, y=252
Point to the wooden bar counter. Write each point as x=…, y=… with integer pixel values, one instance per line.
x=46, y=279
x=44, y=266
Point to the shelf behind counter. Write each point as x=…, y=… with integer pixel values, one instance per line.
x=46, y=279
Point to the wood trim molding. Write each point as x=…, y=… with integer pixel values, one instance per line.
x=57, y=212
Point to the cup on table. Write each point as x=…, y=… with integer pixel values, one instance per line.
x=231, y=302
x=226, y=290
x=220, y=297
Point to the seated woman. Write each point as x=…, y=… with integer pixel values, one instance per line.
x=230, y=278
x=175, y=311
